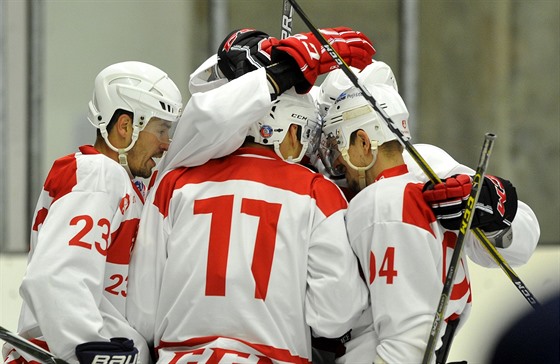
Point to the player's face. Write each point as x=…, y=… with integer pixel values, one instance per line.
x=152, y=142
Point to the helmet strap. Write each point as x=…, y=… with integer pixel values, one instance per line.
x=291, y=158
x=123, y=160
x=361, y=170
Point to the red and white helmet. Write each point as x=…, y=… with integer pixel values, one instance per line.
x=137, y=87
x=351, y=112
x=289, y=108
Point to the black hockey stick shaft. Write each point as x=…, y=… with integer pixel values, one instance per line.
x=27, y=346
x=344, y=67
x=287, y=17
x=500, y=261
x=454, y=263
x=491, y=249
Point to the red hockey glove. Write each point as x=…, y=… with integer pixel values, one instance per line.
x=243, y=51
x=495, y=210
x=352, y=46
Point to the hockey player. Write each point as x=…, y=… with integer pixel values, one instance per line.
x=240, y=265
x=403, y=249
x=242, y=256
x=86, y=219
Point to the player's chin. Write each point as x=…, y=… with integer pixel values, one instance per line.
x=146, y=169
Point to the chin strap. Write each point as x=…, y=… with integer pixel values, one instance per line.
x=361, y=170
x=123, y=161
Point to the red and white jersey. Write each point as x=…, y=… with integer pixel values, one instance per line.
x=241, y=260
x=404, y=254
x=401, y=249
x=215, y=123
x=83, y=230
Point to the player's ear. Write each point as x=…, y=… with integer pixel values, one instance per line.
x=123, y=125
x=293, y=133
x=363, y=141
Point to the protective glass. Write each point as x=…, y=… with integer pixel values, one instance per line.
x=162, y=129
x=329, y=153
x=313, y=133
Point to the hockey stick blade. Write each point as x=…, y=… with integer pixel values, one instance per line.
x=500, y=261
x=463, y=229
x=27, y=346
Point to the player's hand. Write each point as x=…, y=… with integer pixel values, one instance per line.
x=118, y=350
x=352, y=46
x=243, y=51
x=495, y=209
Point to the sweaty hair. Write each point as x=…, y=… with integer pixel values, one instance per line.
x=114, y=119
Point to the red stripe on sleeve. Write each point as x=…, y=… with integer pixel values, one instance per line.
x=415, y=210
x=62, y=177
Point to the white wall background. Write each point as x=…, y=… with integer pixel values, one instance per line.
x=496, y=301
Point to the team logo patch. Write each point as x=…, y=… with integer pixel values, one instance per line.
x=124, y=204
x=341, y=97
x=266, y=131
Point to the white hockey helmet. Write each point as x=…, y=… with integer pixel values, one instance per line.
x=289, y=108
x=352, y=112
x=332, y=86
x=337, y=81
x=207, y=76
x=378, y=72
x=137, y=87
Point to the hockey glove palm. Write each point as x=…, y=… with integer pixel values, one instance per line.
x=495, y=210
x=352, y=46
x=119, y=350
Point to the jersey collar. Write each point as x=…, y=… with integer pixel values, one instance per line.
x=88, y=149
x=265, y=152
x=393, y=172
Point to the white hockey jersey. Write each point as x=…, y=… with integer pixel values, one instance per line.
x=215, y=123
x=241, y=260
x=83, y=231
x=392, y=230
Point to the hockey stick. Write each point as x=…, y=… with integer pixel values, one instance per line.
x=413, y=153
x=491, y=249
x=28, y=347
x=287, y=16
x=344, y=67
x=464, y=228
